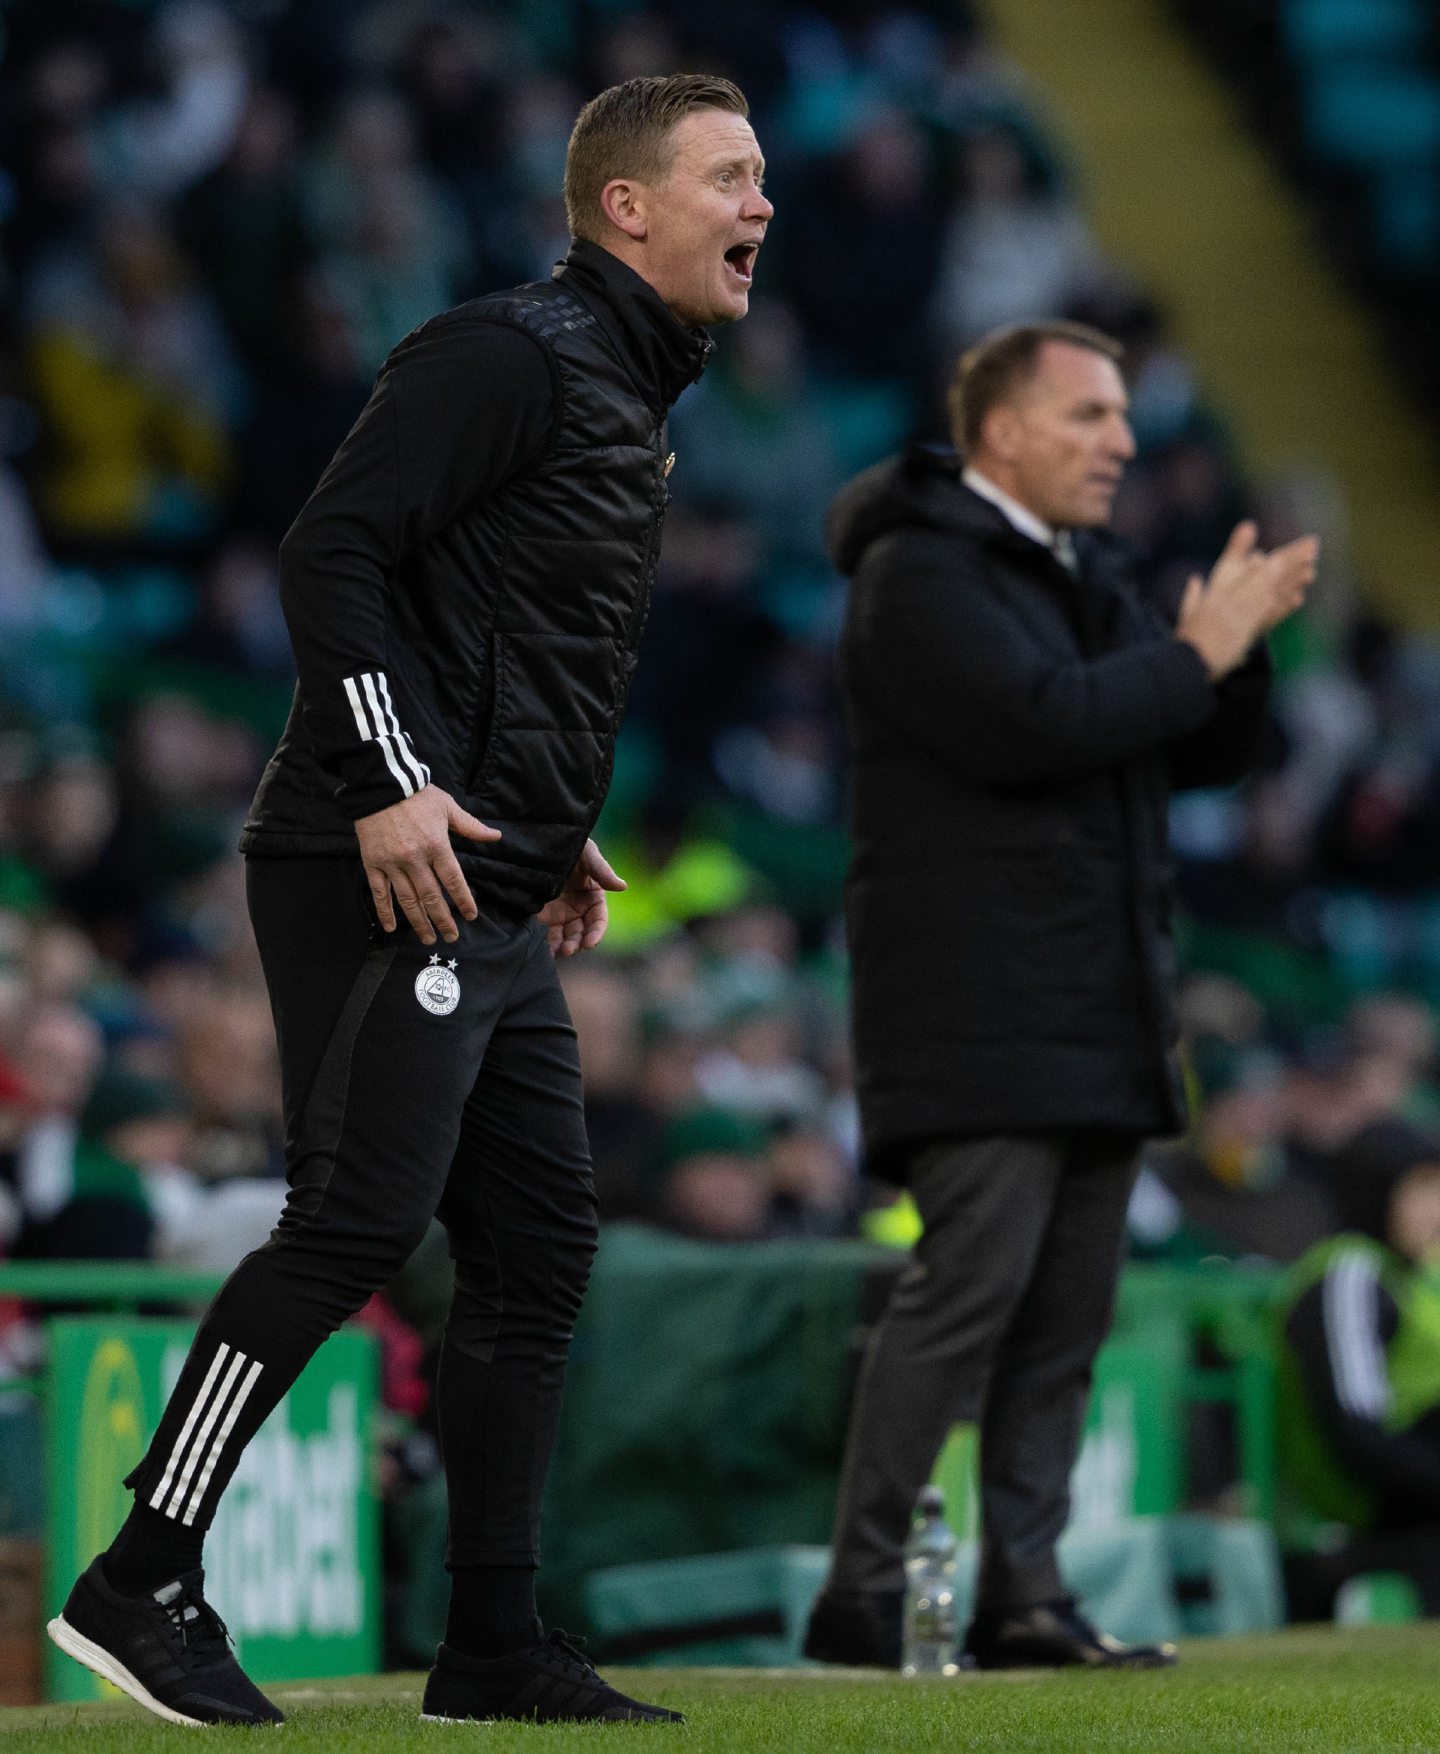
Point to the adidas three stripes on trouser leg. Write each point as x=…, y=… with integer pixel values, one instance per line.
x=407, y=1095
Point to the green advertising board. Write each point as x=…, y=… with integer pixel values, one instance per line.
x=292, y=1562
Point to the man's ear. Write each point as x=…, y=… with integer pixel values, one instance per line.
x=998, y=432
x=623, y=204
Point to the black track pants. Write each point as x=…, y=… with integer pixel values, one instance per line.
x=417, y=1082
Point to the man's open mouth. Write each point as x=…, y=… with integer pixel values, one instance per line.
x=741, y=259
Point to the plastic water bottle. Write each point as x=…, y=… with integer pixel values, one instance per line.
x=929, y=1632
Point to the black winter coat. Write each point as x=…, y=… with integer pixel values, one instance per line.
x=466, y=587
x=1016, y=735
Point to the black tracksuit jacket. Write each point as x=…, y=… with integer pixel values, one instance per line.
x=466, y=587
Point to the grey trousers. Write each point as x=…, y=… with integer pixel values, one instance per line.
x=996, y=1321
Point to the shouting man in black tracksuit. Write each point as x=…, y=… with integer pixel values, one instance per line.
x=465, y=592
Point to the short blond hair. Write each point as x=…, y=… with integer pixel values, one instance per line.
x=1001, y=362
x=627, y=132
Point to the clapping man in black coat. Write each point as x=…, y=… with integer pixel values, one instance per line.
x=1020, y=712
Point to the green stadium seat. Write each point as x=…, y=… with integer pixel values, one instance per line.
x=1226, y=1573
x=1320, y=30
x=1405, y=216
x=1368, y=118
x=1378, y=1598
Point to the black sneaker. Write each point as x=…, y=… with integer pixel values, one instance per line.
x=549, y=1682
x=169, y=1650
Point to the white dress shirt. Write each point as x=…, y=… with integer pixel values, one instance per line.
x=1059, y=542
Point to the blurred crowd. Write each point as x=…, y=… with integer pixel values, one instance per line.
x=214, y=223
x=1347, y=97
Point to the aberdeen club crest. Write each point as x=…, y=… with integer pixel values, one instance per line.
x=437, y=987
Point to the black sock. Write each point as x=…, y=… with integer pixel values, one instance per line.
x=151, y=1549
x=492, y=1610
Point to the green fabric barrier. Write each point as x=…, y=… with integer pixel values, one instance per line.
x=420, y=1526
x=710, y=1388
x=745, y=1609
x=709, y=1394
x=705, y=1406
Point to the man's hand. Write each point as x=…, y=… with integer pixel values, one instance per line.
x=578, y=916
x=406, y=852
x=1289, y=574
x=1248, y=592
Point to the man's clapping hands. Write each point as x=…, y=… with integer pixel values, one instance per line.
x=1248, y=592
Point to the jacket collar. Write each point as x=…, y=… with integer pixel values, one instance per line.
x=662, y=355
x=1024, y=520
x=923, y=489
x=985, y=520
x=979, y=516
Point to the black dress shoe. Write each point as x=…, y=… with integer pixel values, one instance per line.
x=861, y=1631
x=1055, y=1635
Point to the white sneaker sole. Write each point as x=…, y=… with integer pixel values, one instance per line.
x=101, y=1663
x=430, y=1717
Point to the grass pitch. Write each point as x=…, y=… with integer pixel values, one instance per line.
x=1319, y=1691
